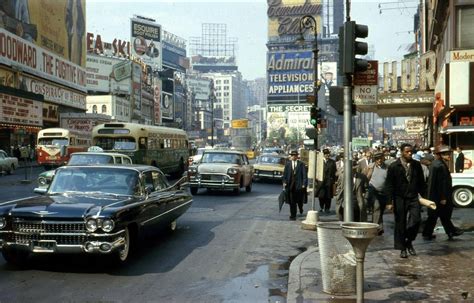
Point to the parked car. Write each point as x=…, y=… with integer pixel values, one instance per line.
x=463, y=189
x=221, y=170
x=85, y=158
x=7, y=164
x=269, y=166
x=99, y=209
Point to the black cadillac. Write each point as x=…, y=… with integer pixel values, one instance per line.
x=93, y=210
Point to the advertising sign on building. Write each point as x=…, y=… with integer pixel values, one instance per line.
x=146, y=41
x=166, y=105
x=54, y=93
x=240, y=123
x=284, y=117
x=414, y=126
x=108, y=74
x=118, y=48
x=26, y=56
x=136, y=90
x=284, y=17
x=291, y=74
x=18, y=110
x=200, y=88
x=56, y=26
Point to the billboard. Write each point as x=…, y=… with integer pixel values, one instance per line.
x=146, y=41
x=18, y=110
x=56, y=26
x=167, y=104
x=282, y=118
x=291, y=74
x=200, y=87
x=284, y=18
x=28, y=57
x=108, y=74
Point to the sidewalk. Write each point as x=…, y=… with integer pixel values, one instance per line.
x=442, y=271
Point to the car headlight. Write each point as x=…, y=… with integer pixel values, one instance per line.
x=192, y=170
x=3, y=222
x=232, y=171
x=91, y=225
x=108, y=225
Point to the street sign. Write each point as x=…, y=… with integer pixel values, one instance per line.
x=365, y=94
x=369, y=77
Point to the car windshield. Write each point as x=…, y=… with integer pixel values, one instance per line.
x=271, y=160
x=97, y=180
x=221, y=158
x=90, y=159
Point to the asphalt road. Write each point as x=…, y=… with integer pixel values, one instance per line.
x=227, y=248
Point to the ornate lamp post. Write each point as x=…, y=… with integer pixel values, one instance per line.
x=309, y=22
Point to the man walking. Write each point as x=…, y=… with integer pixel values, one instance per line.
x=404, y=183
x=440, y=191
x=326, y=189
x=295, y=181
x=377, y=196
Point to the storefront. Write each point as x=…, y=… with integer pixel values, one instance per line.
x=21, y=117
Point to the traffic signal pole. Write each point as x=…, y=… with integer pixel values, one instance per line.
x=348, y=193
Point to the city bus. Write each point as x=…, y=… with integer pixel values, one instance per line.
x=55, y=145
x=164, y=147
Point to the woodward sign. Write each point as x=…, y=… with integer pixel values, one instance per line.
x=26, y=56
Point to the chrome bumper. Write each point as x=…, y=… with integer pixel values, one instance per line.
x=94, y=245
x=220, y=182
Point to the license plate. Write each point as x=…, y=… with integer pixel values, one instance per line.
x=52, y=158
x=43, y=246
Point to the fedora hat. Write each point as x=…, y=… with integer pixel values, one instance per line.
x=294, y=152
x=442, y=149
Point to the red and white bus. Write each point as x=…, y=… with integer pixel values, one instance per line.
x=52, y=140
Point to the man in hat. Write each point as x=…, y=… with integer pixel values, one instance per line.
x=326, y=189
x=440, y=191
x=404, y=184
x=377, y=196
x=295, y=180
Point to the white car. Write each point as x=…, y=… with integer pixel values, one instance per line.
x=7, y=164
x=463, y=189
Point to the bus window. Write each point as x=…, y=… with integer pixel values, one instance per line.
x=142, y=143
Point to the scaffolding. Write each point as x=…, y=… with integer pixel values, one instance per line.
x=213, y=42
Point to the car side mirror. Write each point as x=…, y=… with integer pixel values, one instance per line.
x=40, y=191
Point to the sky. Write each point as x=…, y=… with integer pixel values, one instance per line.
x=247, y=21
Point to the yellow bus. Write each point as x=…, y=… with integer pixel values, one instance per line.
x=164, y=147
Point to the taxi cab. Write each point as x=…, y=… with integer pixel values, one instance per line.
x=269, y=166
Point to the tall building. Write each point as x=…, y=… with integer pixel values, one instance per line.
x=291, y=68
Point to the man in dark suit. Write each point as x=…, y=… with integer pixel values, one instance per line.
x=326, y=189
x=459, y=164
x=295, y=180
x=404, y=183
x=440, y=191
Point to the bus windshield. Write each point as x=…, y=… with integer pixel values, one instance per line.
x=53, y=141
x=116, y=143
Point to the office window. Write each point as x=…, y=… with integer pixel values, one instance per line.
x=226, y=87
x=94, y=109
x=218, y=81
x=104, y=109
x=226, y=94
x=226, y=81
x=464, y=28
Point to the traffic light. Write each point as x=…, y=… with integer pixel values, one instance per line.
x=351, y=48
x=315, y=116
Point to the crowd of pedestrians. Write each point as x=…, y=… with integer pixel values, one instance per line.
x=384, y=179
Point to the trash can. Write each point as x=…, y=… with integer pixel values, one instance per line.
x=338, y=262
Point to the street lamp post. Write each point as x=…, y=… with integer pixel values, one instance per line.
x=309, y=22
